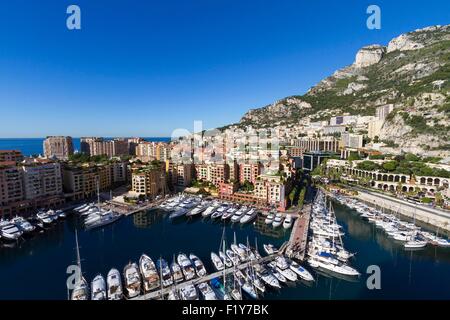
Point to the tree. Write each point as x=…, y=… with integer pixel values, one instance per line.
x=376, y=139
x=411, y=157
x=390, y=165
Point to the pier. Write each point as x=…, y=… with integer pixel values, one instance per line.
x=158, y=293
x=296, y=247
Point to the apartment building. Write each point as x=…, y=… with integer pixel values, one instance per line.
x=32, y=184
x=58, y=147
x=10, y=155
x=100, y=146
x=271, y=189
x=149, y=181
x=249, y=172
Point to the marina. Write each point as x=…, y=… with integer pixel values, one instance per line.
x=153, y=231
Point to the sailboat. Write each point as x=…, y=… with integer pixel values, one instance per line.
x=81, y=289
x=414, y=242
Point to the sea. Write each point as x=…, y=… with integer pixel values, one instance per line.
x=34, y=146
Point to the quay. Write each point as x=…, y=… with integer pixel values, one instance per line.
x=158, y=293
x=428, y=215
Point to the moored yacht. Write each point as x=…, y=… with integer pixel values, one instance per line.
x=114, y=285
x=287, y=223
x=9, y=231
x=188, y=292
x=249, y=216
x=206, y=291
x=269, y=218
x=149, y=273
x=132, y=280
x=228, y=263
x=277, y=221
x=198, y=265
x=23, y=224
x=186, y=266
x=164, y=271
x=217, y=262
x=81, y=290
x=177, y=273
x=98, y=288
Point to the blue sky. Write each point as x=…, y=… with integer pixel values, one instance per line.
x=144, y=68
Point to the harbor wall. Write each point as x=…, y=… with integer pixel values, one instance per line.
x=428, y=215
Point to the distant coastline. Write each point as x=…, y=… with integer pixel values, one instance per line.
x=34, y=146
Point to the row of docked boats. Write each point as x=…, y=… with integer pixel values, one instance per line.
x=18, y=227
x=277, y=219
x=143, y=277
x=96, y=217
x=325, y=246
x=407, y=233
x=190, y=206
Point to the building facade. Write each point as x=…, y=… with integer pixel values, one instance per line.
x=58, y=147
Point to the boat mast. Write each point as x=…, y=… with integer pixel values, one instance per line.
x=78, y=252
x=161, y=277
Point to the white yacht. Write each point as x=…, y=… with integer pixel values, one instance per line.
x=415, y=244
x=269, y=218
x=132, y=280
x=230, y=212
x=208, y=211
x=340, y=269
x=217, y=262
x=287, y=223
x=240, y=252
x=198, y=265
x=270, y=249
x=277, y=221
x=188, y=292
x=249, y=216
x=197, y=210
x=177, y=273
x=9, y=231
x=98, y=288
x=81, y=290
x=219, y=212
x=233, y=257
x=179, y=212
x=149, y=273
x=237, y=216
x=164, y=271
x=186, y=266
x=268, y=278
x=206, y=291
x=228, y=263
x=114, y=285
x=300, y=271
x=44, y=217
x=283, y=267
x=23, y=224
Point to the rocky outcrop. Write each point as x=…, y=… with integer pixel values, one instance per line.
x=369, y=55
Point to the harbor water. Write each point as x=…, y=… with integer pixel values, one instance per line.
x=36, y=268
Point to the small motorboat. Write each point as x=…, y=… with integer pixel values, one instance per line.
x=186, y=266
x=23, y=225
x=233, y=257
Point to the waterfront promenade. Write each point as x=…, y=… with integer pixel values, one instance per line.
x=298, y=240
x=429, y=215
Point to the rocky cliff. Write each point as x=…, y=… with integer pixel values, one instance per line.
x=412, y=72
